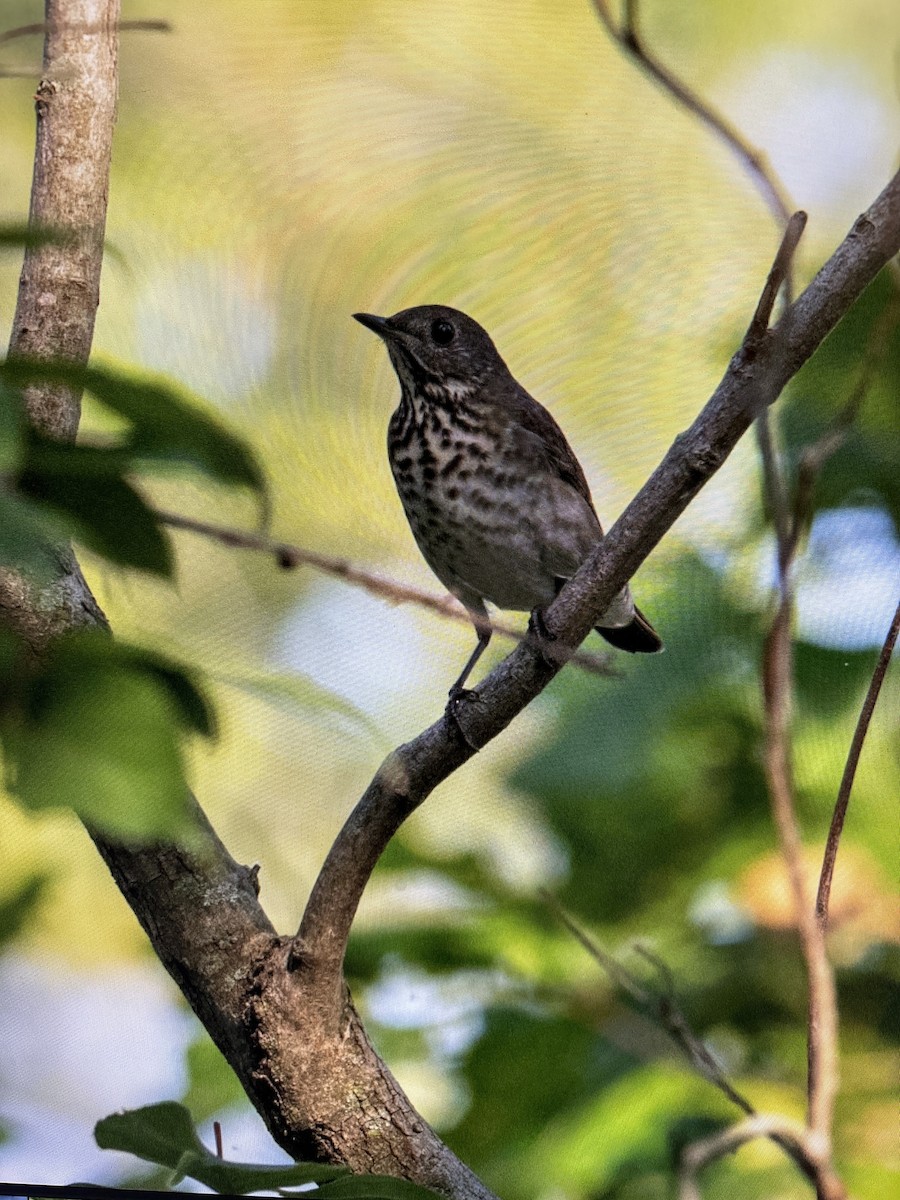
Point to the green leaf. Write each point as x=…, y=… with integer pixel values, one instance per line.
x=194, y=709
x=158, y=1133
x=165, y=425
x=236, y=1179
x=164, y=1133
x=98, y=729
x=83, y=485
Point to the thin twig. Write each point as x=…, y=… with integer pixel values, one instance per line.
x=822, y=1017
x=751, y=159
x=662, y=1008
x=843, y=798
x=624, y=979
x=700, y=1154
x=774, y=487
x=778, y=275
x=289, y=556
x=822, y=1056
x=149, y=26
x=42, y=27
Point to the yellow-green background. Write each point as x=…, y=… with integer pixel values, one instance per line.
x=280, y=165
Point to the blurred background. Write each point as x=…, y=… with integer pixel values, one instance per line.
x=279, y=166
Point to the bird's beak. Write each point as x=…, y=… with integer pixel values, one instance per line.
x=379, y=325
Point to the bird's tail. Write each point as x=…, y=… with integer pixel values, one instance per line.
x=638, y=637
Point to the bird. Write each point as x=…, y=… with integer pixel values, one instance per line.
x=494, y=495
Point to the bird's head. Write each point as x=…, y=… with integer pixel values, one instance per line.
x=435, y=347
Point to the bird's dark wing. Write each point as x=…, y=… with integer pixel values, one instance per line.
x=547, y=439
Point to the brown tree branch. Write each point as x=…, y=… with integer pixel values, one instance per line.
x=754, y=379
x=289, y=556
x=822, y=1023
x=856, y=745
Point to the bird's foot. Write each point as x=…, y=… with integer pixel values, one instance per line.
x=542, y=637
x=457, y=699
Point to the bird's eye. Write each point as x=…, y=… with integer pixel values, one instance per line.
x=442, y=332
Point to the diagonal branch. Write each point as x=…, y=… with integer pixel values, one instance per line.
x=753, y=380
x=662, y=1008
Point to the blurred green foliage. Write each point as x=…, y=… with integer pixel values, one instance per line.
x=508, y=161
x=864, y=351
x=97, y=724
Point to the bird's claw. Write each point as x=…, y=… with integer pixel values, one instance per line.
x=458, y=697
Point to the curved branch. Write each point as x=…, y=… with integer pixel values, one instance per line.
x=856, y=745
x=752, y=160
x=754, y=379
x=793, y=1137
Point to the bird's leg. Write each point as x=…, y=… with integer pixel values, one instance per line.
x=458, y=692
